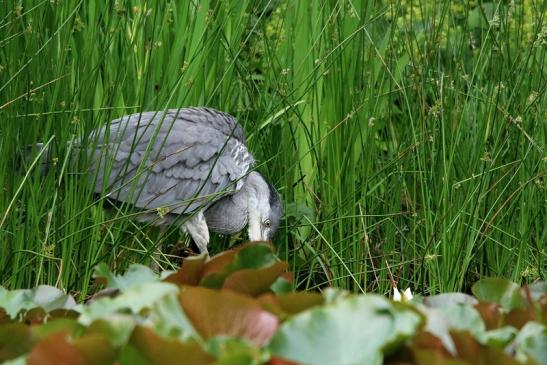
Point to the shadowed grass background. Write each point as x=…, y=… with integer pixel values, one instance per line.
x=407, y=138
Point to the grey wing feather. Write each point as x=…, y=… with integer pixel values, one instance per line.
x=180, y=159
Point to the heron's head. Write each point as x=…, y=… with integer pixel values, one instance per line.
x=265, y=208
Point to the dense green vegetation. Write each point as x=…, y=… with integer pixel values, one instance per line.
x=407, y=138
x=235, y=310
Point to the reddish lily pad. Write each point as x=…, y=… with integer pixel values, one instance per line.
x=249, y=256
x=491, y=314
x=275, y=360
x=290, y=304
x=16, y=339
x=65, y=325
x=426, y=341
x=95, y=349
x=55, y=349
x=219, y=262
x=215, y=313
x=429, y=357
x=254, y=282
x=237, y=264
x=158, y=350
x=191, y=271
x=519, y=317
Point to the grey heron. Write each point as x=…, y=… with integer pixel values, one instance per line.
x=191, y=162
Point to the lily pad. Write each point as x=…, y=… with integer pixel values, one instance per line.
x=190, y=272
x=59, y=349
x=248, y=268
x=234, y=351
x=249, y=256
x=146, y=347
x=353, y=330
x=133, y=300
x=461, y=317
x=43, y=296
x=292, y=303
x=537, y=290
x=135, y=275
x=254, y=282
x=117, y=328
x=225, y=313
x=531, y=342
x=170, y=321
x=16, y=339
x=442, y=300
x=501, y=291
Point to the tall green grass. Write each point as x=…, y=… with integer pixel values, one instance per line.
x=406, y=138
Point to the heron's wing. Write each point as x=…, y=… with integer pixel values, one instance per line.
x=179, y=159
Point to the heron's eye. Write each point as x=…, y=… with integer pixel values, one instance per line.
x=267, y=223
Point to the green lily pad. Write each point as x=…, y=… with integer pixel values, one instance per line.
x=281, y=286
x=461, y=317
x=169, y=320
x=135, y=275
x=501, y=291
x=133, y=300
x=442, y=300
x=353, y=330
x=538, y=290
x=43, y=296
x=531, y=342
x=117, y=328
x=234, y=351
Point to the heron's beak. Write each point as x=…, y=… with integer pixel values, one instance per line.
x=258, y=233
x=255, y=231
x=264, y=236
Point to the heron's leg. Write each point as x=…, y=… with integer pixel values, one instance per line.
x=197, y=227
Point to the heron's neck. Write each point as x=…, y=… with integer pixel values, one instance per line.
x=255, y=187
x=254, y=192
x=257, y=193
x=228, y=215
x=232, y=213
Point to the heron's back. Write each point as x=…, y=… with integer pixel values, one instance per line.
x=180, y=160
